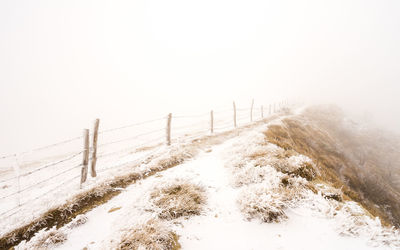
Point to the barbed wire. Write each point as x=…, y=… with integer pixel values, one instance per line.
x=131, y=125
x=190, y=116
x=124, y=127
x=42, y=181
x=43, y=167
x=130, y=138
x=190, y=125
x=41, y=148
x=141, y=158
x=129, y=148
x=39, y=196
x=185, y=137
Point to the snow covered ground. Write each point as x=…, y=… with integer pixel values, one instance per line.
x=30, y=185
x=313, y=222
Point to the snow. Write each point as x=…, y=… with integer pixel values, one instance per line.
x=312, y=222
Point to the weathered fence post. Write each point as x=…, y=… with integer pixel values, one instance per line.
x=85, y=161
x=251, y=110
x=169, y=117
x=234, y=115
x=94, y=147
x=212, y=121
x=262, y=112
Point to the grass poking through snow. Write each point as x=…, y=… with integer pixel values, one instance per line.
x=178, y=199
x=153, y=235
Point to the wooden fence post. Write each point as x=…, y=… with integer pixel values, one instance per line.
x=212, y=121
x=251, y=110
x=234, y=115
x=85, y=161
x=94, y=147
x=262, y=112
x=169, y=117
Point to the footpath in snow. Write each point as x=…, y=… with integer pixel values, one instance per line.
x=221, y=225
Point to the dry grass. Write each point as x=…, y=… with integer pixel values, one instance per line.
x=46, y=240
x=345, y=159
x=90, y=199
x=179, y=199
x=82, y=203
x=151, y=236
x=268, y=204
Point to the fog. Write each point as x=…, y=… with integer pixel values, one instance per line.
x=65, y=63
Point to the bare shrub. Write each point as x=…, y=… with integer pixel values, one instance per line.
x=179, y=199
x=152, y=235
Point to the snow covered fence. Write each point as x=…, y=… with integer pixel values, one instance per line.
x=41, y=172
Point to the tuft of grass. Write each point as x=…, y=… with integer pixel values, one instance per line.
x=178, y=199
x=267, y=204
x=46, y=240
x=152, y=235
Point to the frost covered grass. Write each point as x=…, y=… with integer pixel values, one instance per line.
x=270, y=178
x=99, y=194
x=45, y=239
x=152, y=235
x=360, y=161
x=179, y=199
x=96, y=192
x=273, y=180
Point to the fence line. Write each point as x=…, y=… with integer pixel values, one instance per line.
x=218, y=121
x=40, y=182
x=43, y=167
x=41, y=148
x=39, y=196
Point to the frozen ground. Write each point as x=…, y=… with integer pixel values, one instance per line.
x=312, y=223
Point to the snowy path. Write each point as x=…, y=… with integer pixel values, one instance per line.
x=221, y=226
x=224, y=226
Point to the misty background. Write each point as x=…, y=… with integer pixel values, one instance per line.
x=65, y=63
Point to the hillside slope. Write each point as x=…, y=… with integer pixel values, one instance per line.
x=364, y=163
x=255, y=190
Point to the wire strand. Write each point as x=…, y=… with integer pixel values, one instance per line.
x=41, y=182
x=43, y=167
x=129, y=138
x=130, y=125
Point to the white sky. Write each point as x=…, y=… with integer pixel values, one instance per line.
x=64, y=63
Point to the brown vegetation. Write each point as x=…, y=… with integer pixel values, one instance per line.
x=152, y=236
x=177, y=200
x=346, y=159
x=84, y=202
x=269, y=205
